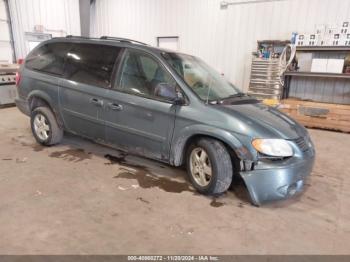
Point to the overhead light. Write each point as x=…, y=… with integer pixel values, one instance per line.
x=76, y=57
x=224, y=4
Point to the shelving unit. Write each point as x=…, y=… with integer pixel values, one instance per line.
x=264, y=79
x=313, y=74
x=323, y=48
x=319, y=87
x=319, y=99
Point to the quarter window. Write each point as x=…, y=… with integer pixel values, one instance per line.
x=91, y=64
x=48, y=58
x=143, y=75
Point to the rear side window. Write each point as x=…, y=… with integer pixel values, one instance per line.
x=91, y=64
x=48, y=58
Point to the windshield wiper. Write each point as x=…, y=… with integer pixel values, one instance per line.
x=234, y=96
x=219, y=101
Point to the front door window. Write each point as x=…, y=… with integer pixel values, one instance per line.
x=144, y=76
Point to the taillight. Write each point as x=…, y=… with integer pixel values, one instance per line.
x=18, y=78
x=20, y=62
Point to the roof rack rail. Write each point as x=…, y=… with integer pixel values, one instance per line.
x=82, y=37
x=120, y=39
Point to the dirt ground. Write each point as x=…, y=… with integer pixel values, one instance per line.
x=82, y=198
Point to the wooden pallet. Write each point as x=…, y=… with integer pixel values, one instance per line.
x=318, y=115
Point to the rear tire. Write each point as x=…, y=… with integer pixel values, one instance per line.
x=209, y=166
x=45, y=127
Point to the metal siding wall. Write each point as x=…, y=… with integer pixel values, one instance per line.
x=330, y=90
x=5, y=44
x=52, y=14
x=224, y=38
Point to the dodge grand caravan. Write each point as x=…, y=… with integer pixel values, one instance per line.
x=167, y=106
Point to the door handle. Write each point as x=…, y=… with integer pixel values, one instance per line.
x=115, y=106
x=96, y=102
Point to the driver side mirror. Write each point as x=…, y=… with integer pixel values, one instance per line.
x=170, y=92
x=180, y=99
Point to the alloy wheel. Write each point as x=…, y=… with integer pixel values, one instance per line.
x=200, y=166
x=41, y=127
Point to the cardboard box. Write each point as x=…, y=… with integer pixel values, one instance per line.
x=301, y=40
x=320, y=32
x=332, y=29
x=335, y=66
x=345, y=39
x=319, y=65
x=320, y=29
x=336, y=40
x=326, y=35
x=304, y=61
x=324, y=41
x=313, y=39
x=307, y=39
x=345, y=28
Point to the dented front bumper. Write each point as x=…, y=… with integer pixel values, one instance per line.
x=278, y=181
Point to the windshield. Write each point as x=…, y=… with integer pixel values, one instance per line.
x=208, y=84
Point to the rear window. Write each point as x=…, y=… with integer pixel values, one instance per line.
x=91, y=64
x=48, y=58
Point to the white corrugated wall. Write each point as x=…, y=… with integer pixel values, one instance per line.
x=5, y=44
x=224, y=38
x=59, y=17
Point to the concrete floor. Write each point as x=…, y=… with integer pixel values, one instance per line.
x=73, y=199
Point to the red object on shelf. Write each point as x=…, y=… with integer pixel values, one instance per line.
x=347, y=70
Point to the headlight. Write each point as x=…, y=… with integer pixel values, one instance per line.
x=273, y=147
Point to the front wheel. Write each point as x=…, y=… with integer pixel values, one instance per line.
x=209, y=166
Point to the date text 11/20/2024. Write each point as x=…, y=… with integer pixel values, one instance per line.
x=173, y=258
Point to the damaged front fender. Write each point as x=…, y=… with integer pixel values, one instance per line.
x=234, y=141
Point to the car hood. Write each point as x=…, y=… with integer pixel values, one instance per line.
x=259, y=120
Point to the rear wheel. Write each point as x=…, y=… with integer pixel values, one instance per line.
x=45, y=127
x=209, y=166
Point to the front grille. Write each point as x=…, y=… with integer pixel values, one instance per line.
x=302, y=143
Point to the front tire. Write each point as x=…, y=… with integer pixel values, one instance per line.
x=45, y=127
x=209, y=166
